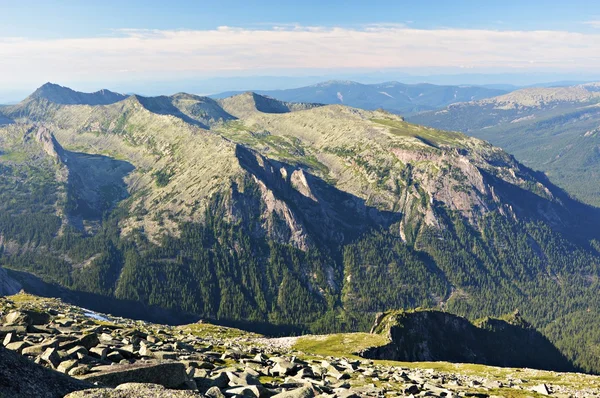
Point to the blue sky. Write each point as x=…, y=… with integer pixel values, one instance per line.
x=75, y=18
x=129, y=44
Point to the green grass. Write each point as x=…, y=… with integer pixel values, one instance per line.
x=25, y=298
x=426, y=135
x=339, y=345
x=270, y=380
x=14, y=156
x=348, y=344
x=513, y=393
x=278, y=147
x=208, y=330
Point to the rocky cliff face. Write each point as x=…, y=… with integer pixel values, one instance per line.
x=8, y=285
x=438, y=336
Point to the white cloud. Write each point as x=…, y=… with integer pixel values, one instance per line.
x=593, y=24
x=153, y=53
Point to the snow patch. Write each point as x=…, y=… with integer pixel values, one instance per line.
x=94, y=315
x=384, y=93
x=340, y=96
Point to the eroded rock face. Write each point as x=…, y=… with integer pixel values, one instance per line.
x=49, y=143
x=8, y=286
x=431, y=335
x=167, y=374
x=298, y=208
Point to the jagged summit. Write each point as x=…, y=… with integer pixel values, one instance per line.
x=66, y=96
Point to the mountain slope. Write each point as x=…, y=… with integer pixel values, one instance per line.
x=391, y=96
x=553, y=129
x=290, y=217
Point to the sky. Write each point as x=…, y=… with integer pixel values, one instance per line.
x=132, y=45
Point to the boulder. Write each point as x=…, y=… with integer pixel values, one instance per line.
x=16, y=318
x=114, y=356
x=168, y=374
x=302, y=392
x=10, y=338
x=79, y=370
x=99, y=352
x=77, y=352
x=27, y=318
x=244, y=391
x=214, y=392
x=18, y=329
x=541, y=389
x=283, y=368
x=38, y=349
x=241, y=379
x=164, y=355
x=17, y=346
x=88, y=341
x=133, y=390
x=66, y=366
x=51, y=357
x=144, y=351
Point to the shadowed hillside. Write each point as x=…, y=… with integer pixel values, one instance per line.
x=437, y=336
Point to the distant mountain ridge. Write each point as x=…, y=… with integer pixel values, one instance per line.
x=66, y=96
x=555, y=129
x=392, y=96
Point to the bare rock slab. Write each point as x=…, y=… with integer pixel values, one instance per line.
x=167, y=374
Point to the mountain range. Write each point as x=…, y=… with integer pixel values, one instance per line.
x=550, y=129
x=391, y=96
x=286, y=216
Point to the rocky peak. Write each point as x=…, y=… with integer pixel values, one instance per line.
x=66, y=96
x=51, y=146
x=247, y=103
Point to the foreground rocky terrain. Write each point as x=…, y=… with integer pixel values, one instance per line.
x=73, y=352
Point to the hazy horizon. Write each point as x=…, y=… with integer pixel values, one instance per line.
x=157, y=48
x=216, y=85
